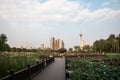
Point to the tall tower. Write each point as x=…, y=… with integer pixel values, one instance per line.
x=81, y=42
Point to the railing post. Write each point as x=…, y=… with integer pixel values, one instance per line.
x=37, y=66
x=45, y=62
x=29, y=78
x=11, y=72
x=67, y=70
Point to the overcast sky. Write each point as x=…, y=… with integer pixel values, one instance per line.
x=36, y=21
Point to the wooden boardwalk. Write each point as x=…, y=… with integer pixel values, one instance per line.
x=55, y=71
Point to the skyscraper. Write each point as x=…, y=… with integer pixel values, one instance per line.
x=56, y=44
x=62, y=44
x=52, y=43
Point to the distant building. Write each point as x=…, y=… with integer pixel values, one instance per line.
x=62, y=44
x=26, y=45
x=42, y=46
x=52, y=43
x=56, y=47
x=58, y=43
x=55, y=44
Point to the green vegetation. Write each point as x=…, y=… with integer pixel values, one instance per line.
x=3, y=45
x=16, y=62
x=110, y=45
x=94, y=69
x=113, y=56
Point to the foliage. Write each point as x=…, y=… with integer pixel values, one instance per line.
x=16, y=62
x=85, y=69
x=14, y=49
x=86, y=48
x=70, y=50
x=62, y=50
x=3, y=45
x=113, y=56
x=112, y=44
x=77, y=48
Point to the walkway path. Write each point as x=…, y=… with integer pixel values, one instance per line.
x=55, y=71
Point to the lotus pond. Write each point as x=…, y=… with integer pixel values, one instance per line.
x=94, y=68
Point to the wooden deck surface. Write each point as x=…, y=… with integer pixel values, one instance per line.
x=55, y=71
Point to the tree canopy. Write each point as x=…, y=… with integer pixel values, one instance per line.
x=3, y=45
x=111, y=44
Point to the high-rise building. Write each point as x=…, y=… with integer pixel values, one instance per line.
x=42, y=46
x=56, y=47
x=56, y=44
x=62, y=44
x=52, y=43
x=81, y=42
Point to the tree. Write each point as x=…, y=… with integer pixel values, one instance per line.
x=3, y=38
x=86, y=48
x=3, y=45
x=13, y=49
x=118, y=38
x=112, y=36
x=95, y=46
x=70, y=49
x=62, y=50
x=112, y=44
x=6, y=47
x=76, y=48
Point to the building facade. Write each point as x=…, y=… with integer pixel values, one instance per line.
x=62, y=44
x=56, y=44
x=52, y=43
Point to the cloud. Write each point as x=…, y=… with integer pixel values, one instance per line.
x=104, y=14
x=52, y=10
x=32, y=20
x=105, y=4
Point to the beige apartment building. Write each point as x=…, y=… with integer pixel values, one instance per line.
x=56, y=44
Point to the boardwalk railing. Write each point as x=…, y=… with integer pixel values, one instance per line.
x=28, y=72
x=67, y=70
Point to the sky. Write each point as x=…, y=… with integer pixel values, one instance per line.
x=34, y=22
